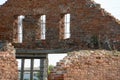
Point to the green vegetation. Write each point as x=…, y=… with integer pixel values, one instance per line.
x=50, y=68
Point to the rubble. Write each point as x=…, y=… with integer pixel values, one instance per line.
x=8, y=63
x=88, y=65
x=7, y=47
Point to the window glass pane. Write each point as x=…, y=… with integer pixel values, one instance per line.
x=36, y=75
x=27, y=64
x=27, y=69
x=36, y=64
x=26, y=75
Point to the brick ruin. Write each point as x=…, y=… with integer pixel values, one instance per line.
x=91, y=27
x=88, y=65
x=8, y=63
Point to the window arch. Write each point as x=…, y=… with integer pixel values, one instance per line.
x=20, y=28
x=65, y=26
x=42, y=25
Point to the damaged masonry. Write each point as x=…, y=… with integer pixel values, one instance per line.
x=37, y=28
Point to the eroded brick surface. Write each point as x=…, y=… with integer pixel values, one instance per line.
x=88, y=65
x=89, y=22
x=8, y=67
x=8, y=63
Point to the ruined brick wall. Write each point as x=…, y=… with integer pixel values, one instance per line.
x=8, y=63
x=88, y=65
x=8, y=66
x=90, y=25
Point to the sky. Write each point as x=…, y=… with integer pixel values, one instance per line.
x=2, y=1
x=111, y=6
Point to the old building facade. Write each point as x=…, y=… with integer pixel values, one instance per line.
x=39, y=27
x=87, y=25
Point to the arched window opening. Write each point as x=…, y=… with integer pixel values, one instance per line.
x=65, y=26
x=43, y=27
x=20, y=28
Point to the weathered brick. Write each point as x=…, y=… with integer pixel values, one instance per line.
x=88, y=20
x=88, y=65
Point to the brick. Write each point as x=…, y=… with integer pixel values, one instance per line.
x=8, y=63
x=88, y=19
x=88, y=64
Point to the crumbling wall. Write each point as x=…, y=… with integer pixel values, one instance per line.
x=8, y=63
x=88, y=65
x=91, y=26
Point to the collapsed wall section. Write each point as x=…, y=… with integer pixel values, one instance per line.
x=88, y=65
x=8, y=63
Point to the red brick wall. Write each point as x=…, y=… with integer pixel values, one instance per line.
x=8, y=66
x=88, y=20
x=88, y=65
